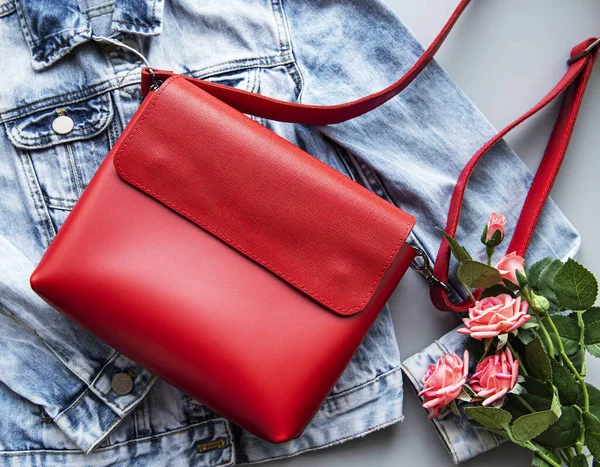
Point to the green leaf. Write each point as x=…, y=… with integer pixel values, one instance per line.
x=478, y=275
x=539, y=388
x=564, y=432
x=546, y=281
x=568, y=330
x=495, y=290
x=459, y=252
x=489, y=417
x=534, y=424
x=531, y=425
x=525, y=335
x=592, y=434
x=476, y=424
x=592, y=338
x=533, y=273
x=575, y=287
x=562, y=378
x=580, y=460
x=591, y=316
x=511, y=285
x=537, y=361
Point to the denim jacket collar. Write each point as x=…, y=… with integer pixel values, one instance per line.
x=53, y=29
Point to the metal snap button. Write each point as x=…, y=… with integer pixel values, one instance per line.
x=122, y=384
x=62, y=124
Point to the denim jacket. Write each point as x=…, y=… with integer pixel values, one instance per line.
x=68, y=398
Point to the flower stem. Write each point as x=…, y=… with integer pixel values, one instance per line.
x=469, y=292
x=581, y=341
x=547, y=458
x=569, y=364
x=518, y=357
x=523, y=402
x=545, y=333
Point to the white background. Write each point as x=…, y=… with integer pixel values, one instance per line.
x=505, y=54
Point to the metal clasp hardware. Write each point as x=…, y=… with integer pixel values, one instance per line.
x=588, y=49
x=426, y=270
x=155, y=81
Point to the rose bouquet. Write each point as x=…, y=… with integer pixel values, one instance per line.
x=522, y=374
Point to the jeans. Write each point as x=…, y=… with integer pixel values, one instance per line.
x=58, y=404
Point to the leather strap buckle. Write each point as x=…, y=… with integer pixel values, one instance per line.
x=587, y=50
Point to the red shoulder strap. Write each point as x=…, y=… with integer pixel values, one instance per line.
x=273, y=109
x=573, y=82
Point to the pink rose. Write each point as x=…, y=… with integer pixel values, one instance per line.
x=496, y=223
x=443, y=382
x=495, y=376
x=495, y=315
x=509, y=264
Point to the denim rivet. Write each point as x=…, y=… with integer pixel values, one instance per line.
x=122, y=384
x=62, y=125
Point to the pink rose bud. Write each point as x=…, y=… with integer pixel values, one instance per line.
x=492, y=316
x=495, y=224
x=509, y=264
x=495, y=376
x=443, y=382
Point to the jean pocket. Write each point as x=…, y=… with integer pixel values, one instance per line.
x=60, y=148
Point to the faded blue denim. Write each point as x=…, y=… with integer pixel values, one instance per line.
x=56, y=402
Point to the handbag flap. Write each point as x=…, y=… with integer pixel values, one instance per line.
x=304, y=221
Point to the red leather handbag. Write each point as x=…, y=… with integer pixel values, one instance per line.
x=233, y=264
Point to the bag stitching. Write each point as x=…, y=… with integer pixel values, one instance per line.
x=216, y=232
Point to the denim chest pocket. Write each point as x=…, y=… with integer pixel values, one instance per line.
x=59, y=149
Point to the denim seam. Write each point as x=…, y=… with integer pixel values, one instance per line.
x=78, y=399
x=58, y=50
x=98, y=7
x=7, y=8
x=347, y=392
x=106, y=86
x=77, y=32
x=97, y=15
x=36, y=194
x=294, y=69
x=74, y=168
x=59, y=207
x=116, y=445
x=153, y=21
x=232, y=452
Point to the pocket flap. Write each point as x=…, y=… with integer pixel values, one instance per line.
x=35, y=131
x=304, y=221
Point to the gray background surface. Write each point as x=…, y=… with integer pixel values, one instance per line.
x=505, y=55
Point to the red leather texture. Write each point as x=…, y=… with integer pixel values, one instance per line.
x=573, y=84
x=304, y=221
x=193, y=309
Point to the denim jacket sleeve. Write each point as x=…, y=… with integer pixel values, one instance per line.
x=52, y=362
x=462, y=440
